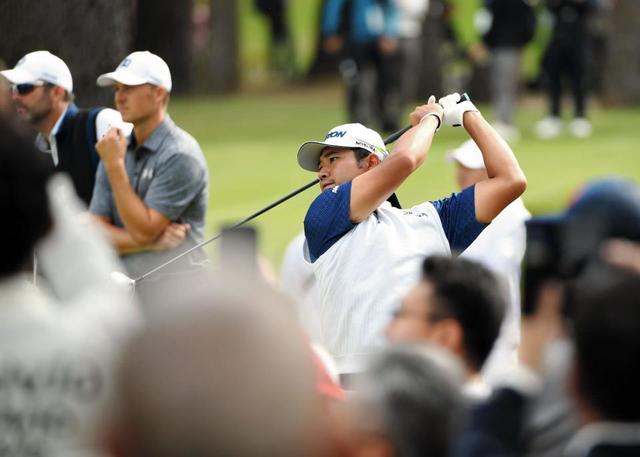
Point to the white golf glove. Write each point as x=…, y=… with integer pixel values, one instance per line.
x=455, y=106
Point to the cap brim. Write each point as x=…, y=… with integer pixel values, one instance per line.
x=18, y=76
x=122, y=77
x=309, y=154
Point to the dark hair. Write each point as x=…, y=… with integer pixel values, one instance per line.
x=470, y=294
x=607, y=337
x=416, y=393
x=23, y=198
x=361, y=153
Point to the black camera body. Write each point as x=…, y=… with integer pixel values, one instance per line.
x=564, y=246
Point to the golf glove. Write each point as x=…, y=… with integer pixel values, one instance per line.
x=455, y=106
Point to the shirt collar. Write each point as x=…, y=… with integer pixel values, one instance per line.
x=611, y=433
x=157, y=137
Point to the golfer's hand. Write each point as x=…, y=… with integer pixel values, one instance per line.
x=431, y=109
x=454, y=109
x=172, y=237
x=112, y=147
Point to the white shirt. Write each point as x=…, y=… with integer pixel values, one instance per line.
x=386, y=251
x=500, y=247
x=56, y=354
x=298, y=281
x=411, y=14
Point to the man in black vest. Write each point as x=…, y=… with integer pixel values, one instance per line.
x=43, y=96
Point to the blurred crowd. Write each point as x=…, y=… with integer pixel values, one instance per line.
x=383, y=47
x=458, y=327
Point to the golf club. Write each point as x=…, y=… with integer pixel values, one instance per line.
x=123, y=279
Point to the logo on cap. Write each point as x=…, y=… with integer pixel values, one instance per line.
x=125, y=63
x=336, y=133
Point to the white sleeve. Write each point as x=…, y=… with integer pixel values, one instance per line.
x=295, y=274
x=108, y=118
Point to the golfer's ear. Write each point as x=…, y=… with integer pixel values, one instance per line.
x=373, y=160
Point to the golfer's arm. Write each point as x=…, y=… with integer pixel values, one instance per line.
x=120, y=239
x=370, y=189
x=143, y=224
x=506, y=180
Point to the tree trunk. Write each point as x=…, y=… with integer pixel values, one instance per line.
x=164, y=28
x=621, y=79
x=217, y=64
x=92, y=37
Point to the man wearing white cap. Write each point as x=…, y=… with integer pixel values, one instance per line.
x=43, y=96
x=365, y=254
x=153, y=189
x=500, y=247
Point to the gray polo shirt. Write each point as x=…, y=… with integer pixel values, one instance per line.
x=169, y=173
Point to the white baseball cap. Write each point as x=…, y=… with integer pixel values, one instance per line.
x=40, y=66
x=468, y=155
x=343, y=136
x=140, y=67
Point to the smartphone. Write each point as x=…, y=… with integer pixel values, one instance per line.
x=239, y=250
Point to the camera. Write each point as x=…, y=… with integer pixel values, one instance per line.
x=564, y=246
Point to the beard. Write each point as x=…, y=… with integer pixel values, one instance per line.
x=39, y=111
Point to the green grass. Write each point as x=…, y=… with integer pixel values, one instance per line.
x=251, y=139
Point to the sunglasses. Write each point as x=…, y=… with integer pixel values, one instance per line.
x=27, y=88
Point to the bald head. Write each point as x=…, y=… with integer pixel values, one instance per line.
x=230, y=379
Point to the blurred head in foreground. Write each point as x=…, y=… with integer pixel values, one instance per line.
x=408, y=403
x=233, y=377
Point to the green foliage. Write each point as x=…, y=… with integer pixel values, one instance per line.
x=251, y=141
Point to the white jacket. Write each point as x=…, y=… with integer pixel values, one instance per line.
x=56, y=354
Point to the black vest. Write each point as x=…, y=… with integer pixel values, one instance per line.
x=77, y=154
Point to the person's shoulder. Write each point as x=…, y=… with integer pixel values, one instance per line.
x=181, y=141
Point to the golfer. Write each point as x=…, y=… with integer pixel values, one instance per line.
x=151, y=189
x=366, y=254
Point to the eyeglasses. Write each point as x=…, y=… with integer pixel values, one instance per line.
x=27, y=88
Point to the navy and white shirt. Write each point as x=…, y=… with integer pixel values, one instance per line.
x=363, y=270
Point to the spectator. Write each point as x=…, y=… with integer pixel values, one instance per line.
x=282, y=50
x=601, y=301
x=512, y=27
x=366, y=32
x=458, y=306
x=151, y=192
x=43, y=95
x=230, y=376
x=364, y=253
x=603, y=381
x=500, y=247
x=408, y=404
x=411, y=16
x=55, y=353
x=566, y=55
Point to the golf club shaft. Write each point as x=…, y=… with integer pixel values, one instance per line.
x=389, y=140
x=236, y=225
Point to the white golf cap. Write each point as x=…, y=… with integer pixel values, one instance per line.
x=140, y=67
x=40, y=66
x=468, y=155
x=343, y=136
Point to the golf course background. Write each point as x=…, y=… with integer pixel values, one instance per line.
x=251, y=138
